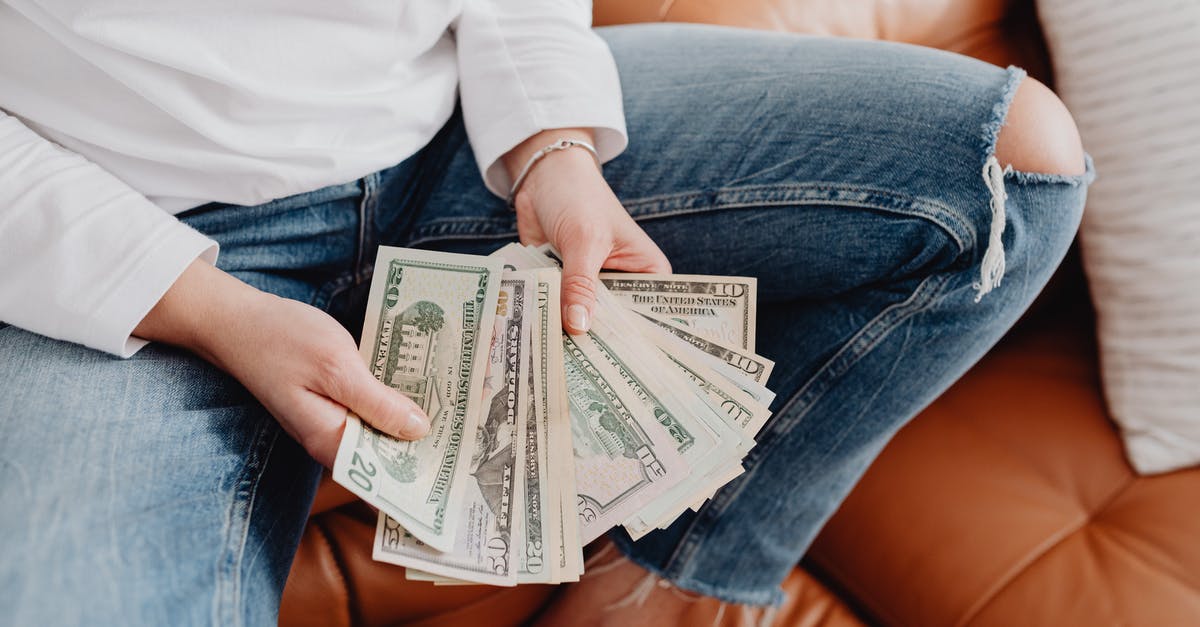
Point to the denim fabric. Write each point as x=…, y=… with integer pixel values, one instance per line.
x=845, y=175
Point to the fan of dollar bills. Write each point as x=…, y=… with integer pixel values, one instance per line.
x=542, y=441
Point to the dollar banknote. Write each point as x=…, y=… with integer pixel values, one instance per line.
x=426, y=333
x=740, y=409
x=745, y=370
x=704, y=440
x=625, y=456
x=552, y=407
x=485, y=550
x=720, y=308
x=548, y=548
x=756, y=367
x=550, y=396
x=540, y=538
x=413, y=574
x=622, y=461
x=536, y=534
x=643, y=417
x=740, y=412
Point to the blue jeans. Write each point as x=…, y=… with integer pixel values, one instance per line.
x=845, y=175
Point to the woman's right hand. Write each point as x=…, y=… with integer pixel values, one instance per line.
x=295, y=359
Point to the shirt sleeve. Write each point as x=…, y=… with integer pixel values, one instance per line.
x=526, y=66
x=83, y=257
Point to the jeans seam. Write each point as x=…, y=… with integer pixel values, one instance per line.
x=326, y=293
x=959, y=229
x=366, y=213
x=742, y=197
x=867, y=338
x=463, y=228
x=804, y=194
x=1022, y=177
x=237, y=526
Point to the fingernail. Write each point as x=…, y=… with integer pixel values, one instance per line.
x=577, y=318
x=416, y=425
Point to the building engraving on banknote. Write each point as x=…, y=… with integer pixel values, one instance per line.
x=422, y=322
x=484, y=548
x=428, y=315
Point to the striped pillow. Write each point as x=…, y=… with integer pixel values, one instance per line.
x=1130, y=72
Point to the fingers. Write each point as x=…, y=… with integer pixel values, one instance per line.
x=379, y=405
x=316, y=416
x=320, y=431
x=581, y=267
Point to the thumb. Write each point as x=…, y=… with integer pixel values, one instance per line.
x=580, y=280
x=382, y=407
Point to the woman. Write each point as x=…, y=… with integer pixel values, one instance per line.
x=862, y=183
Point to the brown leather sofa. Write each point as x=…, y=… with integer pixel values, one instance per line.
x=1007, y=502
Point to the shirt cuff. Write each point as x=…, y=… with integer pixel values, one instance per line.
x=160, y=265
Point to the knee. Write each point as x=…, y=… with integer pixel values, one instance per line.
x=1039, y=134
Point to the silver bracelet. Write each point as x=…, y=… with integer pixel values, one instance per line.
x=561, y=144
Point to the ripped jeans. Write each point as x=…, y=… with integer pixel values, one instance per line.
x=848, y=176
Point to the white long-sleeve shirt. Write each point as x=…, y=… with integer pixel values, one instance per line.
x=116, y=114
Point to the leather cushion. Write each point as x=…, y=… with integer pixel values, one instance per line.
x=335, y=583
x=999, y=31
x=1009, y=501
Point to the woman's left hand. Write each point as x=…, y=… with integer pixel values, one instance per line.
x=565, y=201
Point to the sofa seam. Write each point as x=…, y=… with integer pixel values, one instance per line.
x=1044, y=549
x=835, y=578
x=1116, y=532
x=339, y=571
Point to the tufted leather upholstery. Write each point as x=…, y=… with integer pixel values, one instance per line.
x=1007, y=502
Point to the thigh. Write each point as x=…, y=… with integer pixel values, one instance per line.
x=847, y=177
x=156, y=490
x=818, y=165
x=822, y=164
x=152, y=490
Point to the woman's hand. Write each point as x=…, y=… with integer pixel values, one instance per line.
x=295, y=359
x=565, y=201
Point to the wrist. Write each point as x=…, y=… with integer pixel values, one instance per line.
x=529, y=157
x=515, y=159
x=203, y=305
x=570, y=168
